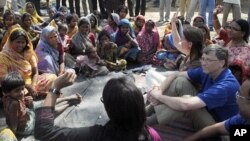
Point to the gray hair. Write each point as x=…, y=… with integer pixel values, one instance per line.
x=220, y=53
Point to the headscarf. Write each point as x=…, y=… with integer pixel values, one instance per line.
x=44, y=49
x=120, y=38
x=79, y=40
x=116, y=18
x=147, y=41
x=197, y=17
x=135, y=27
x=17, y=62
x=36, y=19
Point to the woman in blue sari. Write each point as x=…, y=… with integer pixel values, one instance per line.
x=50, y=52
x=125, y=39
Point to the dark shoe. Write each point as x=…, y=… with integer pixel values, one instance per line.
x=211, y=28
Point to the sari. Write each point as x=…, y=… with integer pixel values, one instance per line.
x=48, y=56
x=11, y=60
x=239, y=57
x=36, y=19
x=148, y=42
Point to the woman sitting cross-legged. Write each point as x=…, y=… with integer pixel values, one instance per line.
x=124, y=105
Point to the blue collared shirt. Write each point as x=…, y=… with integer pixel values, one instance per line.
x=219, y=95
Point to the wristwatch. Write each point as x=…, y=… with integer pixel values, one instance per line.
x=55, y=91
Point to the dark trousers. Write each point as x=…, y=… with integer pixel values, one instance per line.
x=140, y=7
x=101, y=6
x=130, y=8
x=77, y=7
x=58, y=3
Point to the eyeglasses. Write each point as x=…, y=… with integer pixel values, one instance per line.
x=232, y=28
x=242, y=97
x=207, y=60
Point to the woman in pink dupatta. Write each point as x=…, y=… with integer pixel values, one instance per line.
x=148, y=39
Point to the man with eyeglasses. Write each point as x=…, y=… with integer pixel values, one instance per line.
x=223, y=128
x=214, y=102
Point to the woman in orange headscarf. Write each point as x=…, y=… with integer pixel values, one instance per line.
x=18, y=55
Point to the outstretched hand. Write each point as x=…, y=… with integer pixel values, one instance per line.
x=64, y=80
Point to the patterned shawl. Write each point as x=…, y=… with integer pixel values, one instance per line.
x=48, y=55
x=10, y=60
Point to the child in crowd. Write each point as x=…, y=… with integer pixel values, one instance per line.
x=19, y=105
x=91, y=64
x=113, y=21
x=123, y=11
x=63, y=37
x=9, y=24
x=71, y=21
x=107, y=51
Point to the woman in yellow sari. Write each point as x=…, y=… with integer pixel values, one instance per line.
x=30, y=8
x=18, y=55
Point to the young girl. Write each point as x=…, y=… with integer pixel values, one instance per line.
x=91, y=63
x=107, y=51
x=123, y=11
x=71, y=21
x=113, y=21
x=63, y=37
